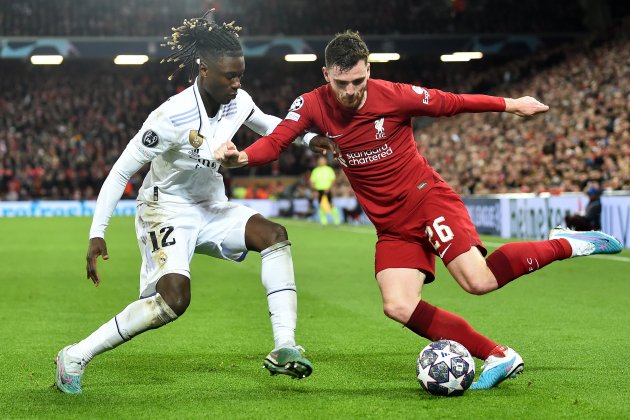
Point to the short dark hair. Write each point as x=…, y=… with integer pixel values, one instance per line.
x=345, y=50
x=202, y=38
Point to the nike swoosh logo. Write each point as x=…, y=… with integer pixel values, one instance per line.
x=444, y=252
x=330, y=136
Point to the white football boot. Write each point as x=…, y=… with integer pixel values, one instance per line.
x=69, y=372
x=497, y=369
x=587, y=242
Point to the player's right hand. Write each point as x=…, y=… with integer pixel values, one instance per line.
x=96, y=247
x=525, y=106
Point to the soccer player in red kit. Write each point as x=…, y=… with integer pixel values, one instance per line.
x=417, y=215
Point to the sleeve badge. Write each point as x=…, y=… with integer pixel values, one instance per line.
x=195, y=139
x=150, y=138
x=297, y=104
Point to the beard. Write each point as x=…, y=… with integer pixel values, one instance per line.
x=353, y=101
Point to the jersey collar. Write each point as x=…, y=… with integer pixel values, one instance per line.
x=201, y=108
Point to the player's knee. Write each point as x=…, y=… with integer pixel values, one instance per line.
x=476, y=285
x=274, y=233
x=476, y=279
x=261, y=233
x=179, y=304
x=175, y=290
x=278, y=234
x=396, y=310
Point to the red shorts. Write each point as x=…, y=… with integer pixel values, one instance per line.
x=440, y=225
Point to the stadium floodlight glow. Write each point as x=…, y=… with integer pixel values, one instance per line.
x=461, y=56
x=473, y=55
x=383, y=57
x=449, y=58
x=131, y=60
x=47, y=59
x=293, y=58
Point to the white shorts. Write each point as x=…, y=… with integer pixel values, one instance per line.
x=169, y=234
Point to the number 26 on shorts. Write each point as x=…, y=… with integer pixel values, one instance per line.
x=443, y=232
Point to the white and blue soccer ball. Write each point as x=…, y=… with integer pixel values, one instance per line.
x=445, y=368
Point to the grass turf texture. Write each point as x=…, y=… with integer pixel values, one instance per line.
x=569, y=321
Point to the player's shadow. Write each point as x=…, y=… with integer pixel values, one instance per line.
x=379, y=373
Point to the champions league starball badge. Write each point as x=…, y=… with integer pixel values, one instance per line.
x=297, y=104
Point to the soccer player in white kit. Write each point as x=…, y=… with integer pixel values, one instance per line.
x=182, y=207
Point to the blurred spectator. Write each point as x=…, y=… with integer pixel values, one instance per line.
x=322, y=179
x=239, y=192
x=591, y=217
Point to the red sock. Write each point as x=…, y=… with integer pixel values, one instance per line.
x=498, y=351
x=434, y=323
x=513, y=260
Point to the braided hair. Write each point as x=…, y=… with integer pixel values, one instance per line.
x=202, y=38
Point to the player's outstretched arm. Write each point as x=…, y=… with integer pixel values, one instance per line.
x=525, y=106
x=96, y=247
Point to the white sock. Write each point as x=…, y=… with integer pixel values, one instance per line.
x=138, y=317
x=279, y=281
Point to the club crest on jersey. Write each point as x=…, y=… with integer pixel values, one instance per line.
x=150, y=138
x=380, y=129
x=195, y=139
x=297, y=104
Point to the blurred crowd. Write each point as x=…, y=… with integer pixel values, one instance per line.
x=582, y=142
x=292, y=17
x=62, y=128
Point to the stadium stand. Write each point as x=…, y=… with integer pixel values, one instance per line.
x=61, y=128
x=583, y=141
x=291, y=17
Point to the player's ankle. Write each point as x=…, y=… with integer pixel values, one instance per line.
x=498, y=351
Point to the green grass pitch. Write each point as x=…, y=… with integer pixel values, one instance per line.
x=569, y=321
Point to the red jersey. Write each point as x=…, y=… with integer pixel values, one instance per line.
x=378, y=150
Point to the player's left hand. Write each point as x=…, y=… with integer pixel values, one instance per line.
x=525, y=106
x=323, y=145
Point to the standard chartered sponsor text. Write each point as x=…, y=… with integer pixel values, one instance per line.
x=368, y=156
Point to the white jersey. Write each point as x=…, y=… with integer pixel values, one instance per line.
x=179, y=139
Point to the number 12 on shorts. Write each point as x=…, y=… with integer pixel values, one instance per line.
x=165, y=232
x=444, y=233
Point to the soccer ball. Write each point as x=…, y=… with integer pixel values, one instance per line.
x=445, y=367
